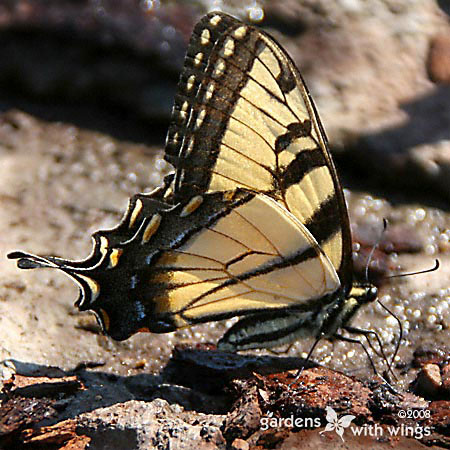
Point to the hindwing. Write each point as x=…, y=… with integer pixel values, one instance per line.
x=241, y=264
x=161, y=269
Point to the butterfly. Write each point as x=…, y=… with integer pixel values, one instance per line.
x=251, y=223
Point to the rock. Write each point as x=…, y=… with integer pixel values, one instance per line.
x=432, y=161
x=439, y=58
x=429, y=381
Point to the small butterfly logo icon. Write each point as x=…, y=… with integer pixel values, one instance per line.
x=336, y=423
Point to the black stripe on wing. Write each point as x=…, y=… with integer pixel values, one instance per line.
x=298, y=168
x=325, y=222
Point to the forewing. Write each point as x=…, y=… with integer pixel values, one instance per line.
x=243, y=118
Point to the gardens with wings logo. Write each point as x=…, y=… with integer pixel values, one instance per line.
x=339, y=424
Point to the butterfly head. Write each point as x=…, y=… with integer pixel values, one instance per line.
x=360, y=294
x=363, y=293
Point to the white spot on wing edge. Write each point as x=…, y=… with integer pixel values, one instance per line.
x=200, y=118
x=205, y=37
x=138, y=207
x=240, y=32
x=228, y=47
x=151, y=228
x=215, y=20
x=103, y=245
x=175, y=137
x=209, y=91
x=189, y=147
x=190, y=83
x=219, y=68
x=193, y=204
x=198, y=58
x=183, y=110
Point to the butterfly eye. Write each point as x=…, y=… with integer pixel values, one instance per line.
x=372, y=293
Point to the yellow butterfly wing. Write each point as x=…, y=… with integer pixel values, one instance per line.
x=243, y=118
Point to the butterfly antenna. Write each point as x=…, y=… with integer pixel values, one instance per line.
x=372, y=251
x=436, y=267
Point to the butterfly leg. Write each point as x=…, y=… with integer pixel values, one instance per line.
x=357, y=341
x=373, y=333
x=308, y=357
